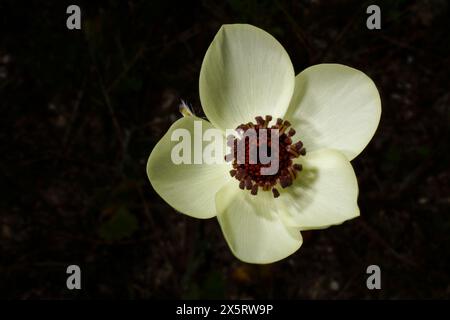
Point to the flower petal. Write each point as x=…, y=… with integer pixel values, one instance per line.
x=189, y=188
x=336, y=107
x=252, y=227
x=245, y=73
x=325, y=192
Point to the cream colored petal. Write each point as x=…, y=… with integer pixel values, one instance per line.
x=325, y=192
x=189, y=188
x=245, y=73
x=252, y=227
x=336, y=107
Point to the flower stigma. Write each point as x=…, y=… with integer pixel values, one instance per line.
x=257, y=139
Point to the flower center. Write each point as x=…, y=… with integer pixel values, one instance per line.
x=258, y=144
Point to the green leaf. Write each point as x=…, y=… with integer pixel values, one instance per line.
x=121, y=225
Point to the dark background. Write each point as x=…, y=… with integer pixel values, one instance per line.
x=80, y=112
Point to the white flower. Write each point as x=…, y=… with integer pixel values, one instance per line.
x=334, y=110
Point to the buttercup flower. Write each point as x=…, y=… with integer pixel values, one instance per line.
x=326, y=115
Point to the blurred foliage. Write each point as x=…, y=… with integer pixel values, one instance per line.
x=122, y=224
